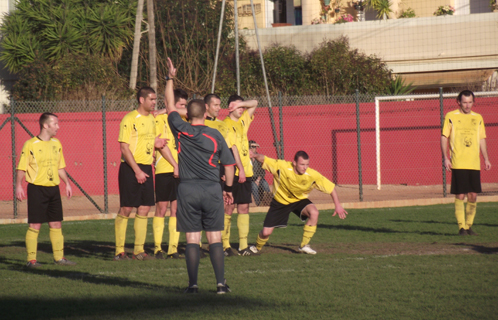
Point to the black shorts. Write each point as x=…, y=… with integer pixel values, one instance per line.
x=44, y=204
x=132, y=193
x=464, y=181
x=166, y=187
x=278, y=214
x=200, y=206
x=242, y=191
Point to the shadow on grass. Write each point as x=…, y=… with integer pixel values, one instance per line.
x=479, y=248
x=142, y=300
x=418, y=221
x=381, y=230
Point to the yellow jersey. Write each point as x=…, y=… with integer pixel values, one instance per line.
x=464, y=132
x=162, y=127
x=290, y=187
x=239, y=129
x=140, y=133
x=42, y=160
x=222, y=127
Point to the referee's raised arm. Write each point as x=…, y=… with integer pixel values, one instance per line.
x=169, y=96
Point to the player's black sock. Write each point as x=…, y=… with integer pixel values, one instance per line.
x=192, y=256
x=218, y=261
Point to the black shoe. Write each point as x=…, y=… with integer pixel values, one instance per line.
x=223, y=288
x=471, y=232
x=229, y=253
x=174, y=256
x=247, y=252
x=160, y=255
x=463, y=232
x=192, y=289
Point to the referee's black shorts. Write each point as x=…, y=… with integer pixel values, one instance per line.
x=44, y=204
x=166, y=187
x=242, y=191
x=278, y=214
x=200, y=206
x=464, y=181
x=132, y=193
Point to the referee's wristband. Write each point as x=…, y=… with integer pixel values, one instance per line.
x=168, y=78
x=227, y=188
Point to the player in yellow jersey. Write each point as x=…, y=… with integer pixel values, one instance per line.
x=464, y=130
x=138, y=140
x=167, y=180
x=293, y=181
x=238, y=121
x=42, y=165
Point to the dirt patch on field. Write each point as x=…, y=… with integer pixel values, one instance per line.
x=80, y=207
x=391, y=248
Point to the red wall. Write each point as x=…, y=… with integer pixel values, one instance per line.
x=410, y=142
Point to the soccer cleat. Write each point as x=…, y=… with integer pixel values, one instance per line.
x=307, y=249
x=142, y=256
x=254, y=250
x=121, y=257
x=223, y=288
x=229, y=253
x=64, y=262
x=247, y=252
x=192, y=289
x=463, y=232
x=32, y=264
x=202, y=254
x=471, y=232
x=174, y=256
x=160, y=255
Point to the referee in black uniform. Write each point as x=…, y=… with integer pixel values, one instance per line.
x=200, y=197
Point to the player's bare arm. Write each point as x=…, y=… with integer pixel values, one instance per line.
x=166, y=153
x=339, y=210
x=258, y=156
x=20, y=193
x=128, y=157
x=484, y=151
x=63, y=176
x=238, y=162
x=250, y=105
x=444, y=150
x=229, y=175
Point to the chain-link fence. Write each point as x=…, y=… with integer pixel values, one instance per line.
x=388, y=150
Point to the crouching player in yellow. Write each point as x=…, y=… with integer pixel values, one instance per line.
x=293, y=181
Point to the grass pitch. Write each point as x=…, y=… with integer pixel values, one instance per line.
x=397, y=263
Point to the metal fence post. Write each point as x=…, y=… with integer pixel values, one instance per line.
x=441, y=115
x=358, y=142
x=104, y=146
x=281, y=123
x=13, y=141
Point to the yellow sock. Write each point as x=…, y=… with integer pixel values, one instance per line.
x=308, y=233
x=261, y=242
x=158, y=228
x=225, y=234
x=460, y=213
x=243, y=225
x=140, y=233
x=57, y=240
x=174, y=236
x=120, y=225
x=470, y=213
x=32, y=243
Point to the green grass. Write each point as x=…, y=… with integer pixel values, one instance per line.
x=376, y=264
